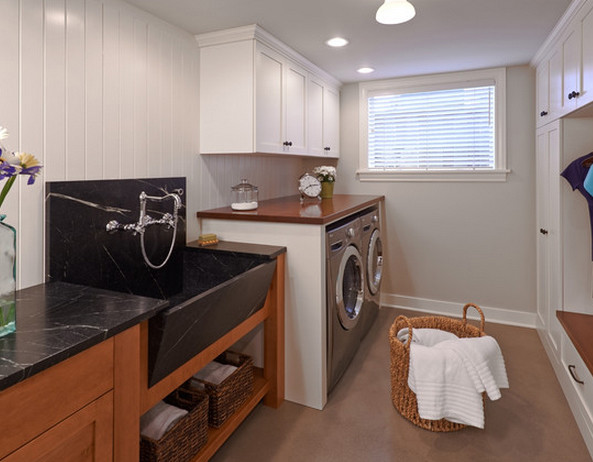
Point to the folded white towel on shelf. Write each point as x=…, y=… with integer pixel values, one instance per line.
x=214, y=372
x=425, y=336
x=448, y=377
x=159, y=419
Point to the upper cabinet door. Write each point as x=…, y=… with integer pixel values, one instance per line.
x=296, y=107
x=542, y=106
x=571, y=54
x=586, y=95
x=315, y=117
x=331, y=122
x=269, y=111
x=555, y=83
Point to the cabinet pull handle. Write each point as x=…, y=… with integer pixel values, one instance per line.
x=287, y=143
x=573, y=94
x=543, y=113
x=571, y=369
x=543, y=231
x=327, y=148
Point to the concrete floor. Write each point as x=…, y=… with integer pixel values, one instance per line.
x=531, y=422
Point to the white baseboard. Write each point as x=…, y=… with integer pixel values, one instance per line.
x=496, y=315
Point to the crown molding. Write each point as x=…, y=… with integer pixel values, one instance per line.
x=256, y=32
x=559, y=29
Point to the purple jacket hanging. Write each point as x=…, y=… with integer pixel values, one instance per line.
x=575, y=174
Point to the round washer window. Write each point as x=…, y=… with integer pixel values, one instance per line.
x=350, y=288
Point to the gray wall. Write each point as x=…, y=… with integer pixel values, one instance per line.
x=450, y=243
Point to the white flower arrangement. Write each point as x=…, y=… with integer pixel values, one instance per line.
x=325, y=173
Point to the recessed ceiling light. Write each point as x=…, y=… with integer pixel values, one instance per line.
x=337, y=42
x=365, y=70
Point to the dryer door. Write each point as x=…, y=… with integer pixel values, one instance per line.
x=375, y=262
x=350, y=288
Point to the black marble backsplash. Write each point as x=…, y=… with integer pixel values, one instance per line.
x=81, y=251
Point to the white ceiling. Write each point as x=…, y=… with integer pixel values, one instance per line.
x=445, y=35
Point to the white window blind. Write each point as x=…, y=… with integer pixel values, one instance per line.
x=433, y=130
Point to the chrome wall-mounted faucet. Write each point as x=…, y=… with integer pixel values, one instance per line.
x=144, y=221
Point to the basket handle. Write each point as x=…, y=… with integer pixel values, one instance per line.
x=408, y=322
x=482, y=320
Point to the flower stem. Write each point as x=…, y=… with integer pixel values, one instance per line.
x=6, y=189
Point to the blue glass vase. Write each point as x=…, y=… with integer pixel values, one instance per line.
x=7, y=278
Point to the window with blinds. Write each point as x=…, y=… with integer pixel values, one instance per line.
x=450, y=129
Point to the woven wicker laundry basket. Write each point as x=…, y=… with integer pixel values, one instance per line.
x=403, y=398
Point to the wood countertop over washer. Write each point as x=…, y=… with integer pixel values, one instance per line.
x=290, y=210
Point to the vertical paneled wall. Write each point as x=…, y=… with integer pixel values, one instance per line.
x=101, y=90
x=95, y=90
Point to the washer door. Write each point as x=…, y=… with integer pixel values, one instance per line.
x=350, y=288
x=375, y=262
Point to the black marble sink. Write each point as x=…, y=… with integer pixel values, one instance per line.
x=220, y=290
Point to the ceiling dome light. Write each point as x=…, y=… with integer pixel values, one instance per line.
x=337, y=42
x=395, y=12
x=365, y=70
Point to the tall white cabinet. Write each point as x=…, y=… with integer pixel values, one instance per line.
x=564, y=120
x=259, y=96
x=549, y=260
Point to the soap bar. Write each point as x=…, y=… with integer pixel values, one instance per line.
x=207, y=239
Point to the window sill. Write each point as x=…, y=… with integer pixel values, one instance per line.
x=434, y=175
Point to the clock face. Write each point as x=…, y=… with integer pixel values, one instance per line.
x=309, y=185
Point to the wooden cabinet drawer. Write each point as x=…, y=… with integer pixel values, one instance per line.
x=31, y=407
x=579, y=374
x=84, y=436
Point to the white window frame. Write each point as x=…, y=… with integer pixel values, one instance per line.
x=496, y=76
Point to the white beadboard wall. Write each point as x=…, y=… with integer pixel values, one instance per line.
x=102, y=90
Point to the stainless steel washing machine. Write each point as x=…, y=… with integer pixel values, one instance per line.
x=372, y=256
x=345, y=295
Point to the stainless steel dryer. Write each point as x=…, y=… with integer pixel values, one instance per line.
x=372, y=255
x=345, y=295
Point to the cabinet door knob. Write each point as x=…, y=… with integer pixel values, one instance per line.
x=543, y=231
x=543, y=113
x=573, y=94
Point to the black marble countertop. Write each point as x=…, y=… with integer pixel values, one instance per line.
x=57, y=320
x=269, y=252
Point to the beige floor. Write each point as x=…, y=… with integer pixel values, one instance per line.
x=531, y=422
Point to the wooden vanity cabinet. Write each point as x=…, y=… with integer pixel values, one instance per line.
x=64, y=413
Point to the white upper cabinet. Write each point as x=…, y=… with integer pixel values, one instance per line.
x=259, y=96
x=331, y=122
x=564, y=76
x=542, y=106
x=323, y=119
x=571, y=70
x=586, y=95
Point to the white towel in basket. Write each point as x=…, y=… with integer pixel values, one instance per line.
x=484, y=363
x=443, y=386
x=449, y=377
x=215, y=372
x=425, y=335
x=159, y=419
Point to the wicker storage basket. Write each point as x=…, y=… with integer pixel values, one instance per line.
x=231, y=393
x=182, y=442
x=403, y=398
